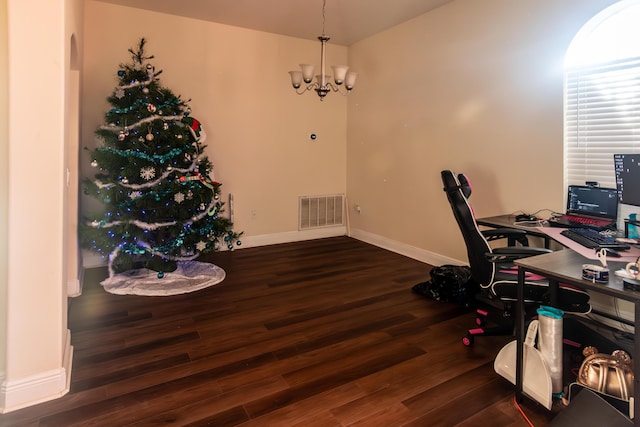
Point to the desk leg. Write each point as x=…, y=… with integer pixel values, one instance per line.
x=519, y=333
x=554, y=290
x=636, y=368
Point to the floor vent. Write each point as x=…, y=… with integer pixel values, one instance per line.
x=321, y=211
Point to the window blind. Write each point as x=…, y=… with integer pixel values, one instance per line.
x=602, y=118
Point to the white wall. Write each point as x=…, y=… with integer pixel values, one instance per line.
x=473, y=86
x=257, y=127
x=37, y=352
x=4, y=159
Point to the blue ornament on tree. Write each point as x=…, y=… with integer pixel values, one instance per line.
x=121, y=73
x=160, y=275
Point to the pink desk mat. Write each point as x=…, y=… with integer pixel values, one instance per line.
x=554, y=232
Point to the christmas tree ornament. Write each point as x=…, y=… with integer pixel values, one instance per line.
x=124, y=180
x=147, y=173
x=122, y=136
x=145, y=90
x=149, y=137
x=195, y=127
x=179, y=197
x=121, y=73
x=119, y=93
x=94, y=163
x=165, y=126
x=151, y=108
x=160, y=275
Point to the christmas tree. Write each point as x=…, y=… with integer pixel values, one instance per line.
x=153, y=178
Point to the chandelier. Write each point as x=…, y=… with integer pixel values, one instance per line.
x=323, y=85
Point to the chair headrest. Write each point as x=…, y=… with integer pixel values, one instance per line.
x=453, y=183
x=465, y=185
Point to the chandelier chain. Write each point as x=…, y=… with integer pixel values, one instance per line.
x=324, y=6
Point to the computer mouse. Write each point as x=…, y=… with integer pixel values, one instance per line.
x=612, y=253
x=525, y=217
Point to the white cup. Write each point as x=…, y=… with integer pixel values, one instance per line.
x=633, y=269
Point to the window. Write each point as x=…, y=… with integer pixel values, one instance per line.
x=602, y=94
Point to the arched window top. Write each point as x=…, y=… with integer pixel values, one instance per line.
x=611, y=35
x=602, y=95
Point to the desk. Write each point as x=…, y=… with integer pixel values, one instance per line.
x=507, y=221
x=566, y=266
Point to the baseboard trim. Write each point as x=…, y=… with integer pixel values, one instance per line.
x=40, y=387
x=74, y=287
x=291, y=236
x=416, y=253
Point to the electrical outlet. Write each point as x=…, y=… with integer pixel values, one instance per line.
x=358, y=209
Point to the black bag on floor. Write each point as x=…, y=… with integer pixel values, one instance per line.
x=449, y=283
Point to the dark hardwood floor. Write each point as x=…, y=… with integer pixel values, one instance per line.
x=316, y=333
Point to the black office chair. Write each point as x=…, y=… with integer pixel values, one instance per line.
x=493, y=268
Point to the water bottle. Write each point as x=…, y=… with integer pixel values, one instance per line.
x=633, y=229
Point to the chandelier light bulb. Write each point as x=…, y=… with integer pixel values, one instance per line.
x=296, y=78
x=307, y=72
x=339, y=71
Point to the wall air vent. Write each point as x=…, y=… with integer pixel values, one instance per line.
x=321, y=211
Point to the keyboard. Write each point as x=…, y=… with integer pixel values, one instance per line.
x=590, y=238
x=573, y=221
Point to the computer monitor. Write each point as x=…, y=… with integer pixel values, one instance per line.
x=627, y=168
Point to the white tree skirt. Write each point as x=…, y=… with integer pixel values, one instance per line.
x=188, y=277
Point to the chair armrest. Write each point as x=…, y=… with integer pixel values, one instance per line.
x=512, y=253
x=519, y=236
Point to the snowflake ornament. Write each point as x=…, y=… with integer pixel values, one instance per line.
x=119, y=93
x=135, y=194
x=201, y=246
x=147, y=173
x=179, y=197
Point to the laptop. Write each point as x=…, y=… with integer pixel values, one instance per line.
x=589, y=207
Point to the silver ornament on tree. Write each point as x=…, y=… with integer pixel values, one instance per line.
x=94, y=163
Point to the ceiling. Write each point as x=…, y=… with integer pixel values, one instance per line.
x=346, y=21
